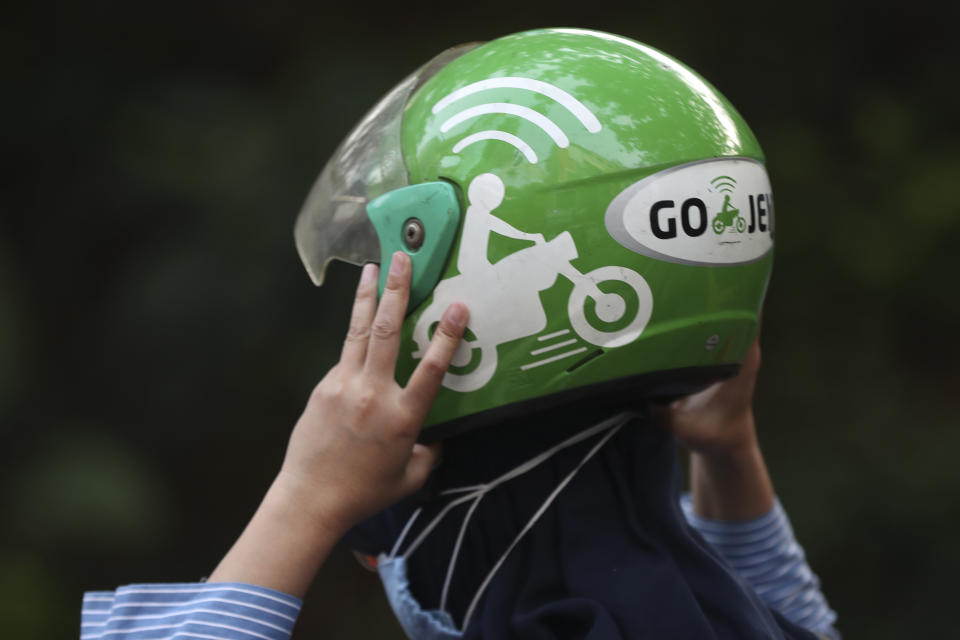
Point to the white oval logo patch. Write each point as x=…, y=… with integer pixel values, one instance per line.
x=710, y=212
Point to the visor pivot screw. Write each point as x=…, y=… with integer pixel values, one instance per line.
x=413, y=234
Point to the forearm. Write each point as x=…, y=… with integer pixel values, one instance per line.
x=735, y=510
x=731, y=485
x=352, y=453
x=285, y=543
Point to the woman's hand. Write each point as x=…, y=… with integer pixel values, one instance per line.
x=719, y=420
x=354, y=451
x=728, y=477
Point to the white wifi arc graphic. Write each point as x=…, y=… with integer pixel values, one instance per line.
x=574, y=106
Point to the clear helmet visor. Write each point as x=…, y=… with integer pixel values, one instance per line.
x=333, y=222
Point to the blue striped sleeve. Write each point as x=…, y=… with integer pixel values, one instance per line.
x=209, y=611
x=765, y=553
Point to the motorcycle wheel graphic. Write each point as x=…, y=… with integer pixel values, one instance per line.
x=610, y=307
x=741, y=224
x=718, y=226
x=464, y=355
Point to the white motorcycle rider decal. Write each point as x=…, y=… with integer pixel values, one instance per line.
x=503, y=297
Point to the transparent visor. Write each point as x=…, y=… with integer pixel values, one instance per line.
x=333, y=222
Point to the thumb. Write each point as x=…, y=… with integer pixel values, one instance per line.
x=421, y=463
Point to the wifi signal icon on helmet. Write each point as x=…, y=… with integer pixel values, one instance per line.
x=724, y=184
x=548, y=126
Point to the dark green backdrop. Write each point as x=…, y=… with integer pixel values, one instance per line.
x=158, y=336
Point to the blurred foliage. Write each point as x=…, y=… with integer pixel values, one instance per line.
x=158, y=336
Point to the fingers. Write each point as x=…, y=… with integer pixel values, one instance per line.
x=364, y=307
x=426, y=379
x=385, y=331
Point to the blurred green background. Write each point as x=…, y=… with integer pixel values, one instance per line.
x=158, y=336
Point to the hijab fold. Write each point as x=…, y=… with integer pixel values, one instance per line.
x=613, y=557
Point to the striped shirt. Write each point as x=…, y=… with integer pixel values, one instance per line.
x=208, y=611
x=763, y=551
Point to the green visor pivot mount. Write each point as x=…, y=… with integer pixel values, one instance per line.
x=421, y=220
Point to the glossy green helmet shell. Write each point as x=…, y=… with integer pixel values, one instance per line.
x=602, y=210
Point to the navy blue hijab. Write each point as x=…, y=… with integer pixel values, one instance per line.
x=612, y=557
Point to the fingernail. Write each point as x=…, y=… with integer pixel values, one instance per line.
x=457, y=315
x=369, y=273
x=398, y=264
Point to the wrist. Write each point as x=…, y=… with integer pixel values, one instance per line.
x=735, y=440
x=732, y=450
x=307, y=507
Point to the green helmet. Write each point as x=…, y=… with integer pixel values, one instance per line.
x=601, y=209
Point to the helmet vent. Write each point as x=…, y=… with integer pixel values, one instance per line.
x=584, y=360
